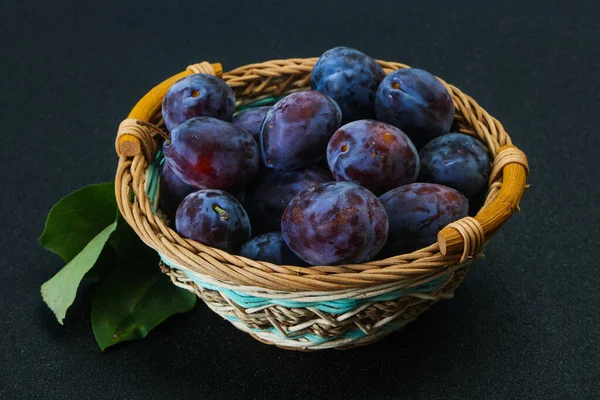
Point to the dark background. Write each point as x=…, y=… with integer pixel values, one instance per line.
x=524, y=323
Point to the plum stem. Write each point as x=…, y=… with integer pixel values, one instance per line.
x=224, y=214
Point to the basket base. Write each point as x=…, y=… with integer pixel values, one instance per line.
x=344, y=347
x=308, y=329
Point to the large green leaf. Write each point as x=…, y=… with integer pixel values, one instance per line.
x=135, y=297
x=77, y=218
x=59, y=292
x=87, y=231
x=119, y=241
x=104, y=264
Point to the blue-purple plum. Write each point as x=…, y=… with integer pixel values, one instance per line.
x=172, y=190
x=197, y=95
x=270, y=247
x=335, y=223
x=456, y=160
x=251, y=120
x=214, y=218
x=296, y=130
x=372, y=154
x=416, y=102
x=268, y=198
x=417, y=212
x=351, y=78
x=208, y=152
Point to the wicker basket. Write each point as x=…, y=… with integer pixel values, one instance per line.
x=323, y=306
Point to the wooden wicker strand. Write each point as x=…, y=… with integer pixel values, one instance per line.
x=206, y=68
x=508, y=156
x=134, y=137
x=257, y=81
x=473, y=237
x=318, y=296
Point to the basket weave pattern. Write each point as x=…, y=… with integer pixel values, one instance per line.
x=310, y=308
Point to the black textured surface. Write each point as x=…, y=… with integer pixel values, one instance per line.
x=524, y=323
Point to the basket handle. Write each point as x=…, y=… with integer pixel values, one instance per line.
x=136, y=133
x=466, y=237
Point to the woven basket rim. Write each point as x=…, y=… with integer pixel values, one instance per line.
x=138, y=139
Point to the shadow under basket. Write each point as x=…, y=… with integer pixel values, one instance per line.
x=320, y=307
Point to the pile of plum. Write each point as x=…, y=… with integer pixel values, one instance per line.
x=361, y=166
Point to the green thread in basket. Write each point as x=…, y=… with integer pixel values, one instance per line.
x=264, y=102
x=152, y=182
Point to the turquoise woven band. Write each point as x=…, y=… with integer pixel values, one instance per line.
x=333, y=307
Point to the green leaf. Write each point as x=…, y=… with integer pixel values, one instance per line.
x=135, y=297
x=104, y=264
x=77, y=218
x=87, y=231
x=123, y=240
x=59, y=292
